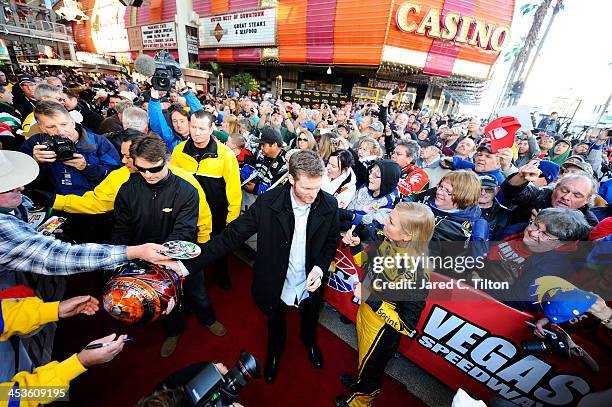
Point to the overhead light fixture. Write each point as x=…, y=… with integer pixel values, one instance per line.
x=329, y=70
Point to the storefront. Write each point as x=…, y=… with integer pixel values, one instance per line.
x=439, y=52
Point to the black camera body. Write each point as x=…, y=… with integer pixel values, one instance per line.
x=64, y=148
x=167, y=71
x=551, y=344
x=210, y=388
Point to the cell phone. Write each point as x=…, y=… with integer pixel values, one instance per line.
x=395, y=91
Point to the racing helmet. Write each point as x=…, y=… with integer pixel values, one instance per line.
x=141, y=292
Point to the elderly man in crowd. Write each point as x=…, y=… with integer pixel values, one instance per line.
x=573, y=191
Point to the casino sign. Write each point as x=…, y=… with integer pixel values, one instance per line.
x=461, y=29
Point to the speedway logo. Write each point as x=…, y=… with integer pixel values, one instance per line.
x=496, y=362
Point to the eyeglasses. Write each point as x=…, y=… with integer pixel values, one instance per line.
x=445, y=191
x=541, y=235
x=397, y=153
x=152, y=170
x=487, y=190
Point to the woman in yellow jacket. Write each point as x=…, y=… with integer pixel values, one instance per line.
x=386, y=314
x=49, y=382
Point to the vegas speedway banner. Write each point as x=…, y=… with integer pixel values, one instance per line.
x=469, y=340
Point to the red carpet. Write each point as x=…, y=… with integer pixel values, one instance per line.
x=139, y=367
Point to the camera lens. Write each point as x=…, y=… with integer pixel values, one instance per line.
x=246, y=370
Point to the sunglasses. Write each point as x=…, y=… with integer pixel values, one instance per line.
x=152, y=170
x=302, y=139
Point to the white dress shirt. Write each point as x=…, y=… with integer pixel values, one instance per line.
x=294, y=289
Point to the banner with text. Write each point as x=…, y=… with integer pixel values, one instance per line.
x=254, y=28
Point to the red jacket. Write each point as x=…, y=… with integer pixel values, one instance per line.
x=412, y=180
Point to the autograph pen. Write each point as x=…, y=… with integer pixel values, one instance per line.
x=104, y=344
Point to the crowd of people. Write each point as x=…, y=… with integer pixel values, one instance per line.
x=131, y=167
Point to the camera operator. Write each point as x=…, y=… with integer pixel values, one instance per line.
x=179, y=117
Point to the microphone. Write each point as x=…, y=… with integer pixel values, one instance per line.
x=145, y=65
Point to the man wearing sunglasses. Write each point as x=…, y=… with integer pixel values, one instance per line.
x=159, y=204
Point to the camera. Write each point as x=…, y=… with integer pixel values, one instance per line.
x=64, y=148
x=210, y=388
x=551, y=344
x=167, y=70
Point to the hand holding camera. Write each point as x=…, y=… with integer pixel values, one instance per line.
x=78, y=162
x=43, y=155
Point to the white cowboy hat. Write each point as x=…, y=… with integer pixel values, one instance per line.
x=16, y=170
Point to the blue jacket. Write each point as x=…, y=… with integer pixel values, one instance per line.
x=159, y=125
x=101, y=157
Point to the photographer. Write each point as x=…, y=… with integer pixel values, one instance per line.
x=276, y=118
x=72, y=159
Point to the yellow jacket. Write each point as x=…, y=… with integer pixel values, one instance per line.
x=21, y=317
x=27, y=123
x=102, y=199
x=220, y=171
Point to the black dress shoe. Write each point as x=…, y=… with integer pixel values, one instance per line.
x=349, y=381
x=315, y=356
x=271, y=368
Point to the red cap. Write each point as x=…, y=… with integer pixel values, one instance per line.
x=501, y=132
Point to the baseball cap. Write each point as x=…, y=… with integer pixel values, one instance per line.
x=431, y=141
x=377, y=126
x=345, y=126
x=268, y=135
x=485, y=145
x=488, y=180
x=560, y=299
x=16, y=170
x=550, y=170
x=584, y=166
x=26, y=78
x=578, y=157
x=521, y=135
x=563, y=141
x=309, y=124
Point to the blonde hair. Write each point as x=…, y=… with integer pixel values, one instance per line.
x=417, y=220
x=325, y=147
x=466, y=187
x=312, y=143
x=372, y=146
x=232, y=123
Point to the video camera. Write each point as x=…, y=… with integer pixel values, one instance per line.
x=64, y=148
x=167, y=71
x=210, y=388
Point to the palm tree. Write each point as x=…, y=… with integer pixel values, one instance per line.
x=519, y=63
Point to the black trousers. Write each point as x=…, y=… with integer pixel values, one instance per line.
x=277, y=326
x=195, y=297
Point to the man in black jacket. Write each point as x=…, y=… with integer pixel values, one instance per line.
x=159, y=206
x=297, y=235
x=573, y=191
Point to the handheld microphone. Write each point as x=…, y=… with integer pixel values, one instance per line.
x=145, y=65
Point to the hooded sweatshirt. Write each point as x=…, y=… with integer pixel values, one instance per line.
x=368, y=208
x=559, y=159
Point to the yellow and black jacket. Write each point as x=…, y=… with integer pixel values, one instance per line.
x=102, y=199
x=216, y=169
x=22, y=316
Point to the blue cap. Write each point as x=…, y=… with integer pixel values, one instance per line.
x=550, y=170
x=561, y=300
x=309, y=124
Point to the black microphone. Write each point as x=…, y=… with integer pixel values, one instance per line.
x=145, y=65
